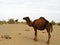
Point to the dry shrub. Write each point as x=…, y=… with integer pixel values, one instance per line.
x=5, y=36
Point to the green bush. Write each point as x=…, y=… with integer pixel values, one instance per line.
x=23, y=22
x=53, y=22
x=17, y=22
x=3, y=22
x=58, y=23
x=11, y=21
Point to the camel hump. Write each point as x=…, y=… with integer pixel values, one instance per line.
x=43, y=19
x=40, y=20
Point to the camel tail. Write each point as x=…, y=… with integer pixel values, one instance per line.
x=51, y=27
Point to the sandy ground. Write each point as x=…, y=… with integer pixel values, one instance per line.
x=22, y=34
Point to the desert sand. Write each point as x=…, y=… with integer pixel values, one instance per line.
x=22, y=34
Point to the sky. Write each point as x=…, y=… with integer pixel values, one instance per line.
x=17, y=9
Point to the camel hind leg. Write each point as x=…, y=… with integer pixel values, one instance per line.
x=49, y=35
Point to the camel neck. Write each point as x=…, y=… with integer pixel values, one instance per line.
x=29, y=22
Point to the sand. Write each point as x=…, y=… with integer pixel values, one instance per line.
x=22, y=34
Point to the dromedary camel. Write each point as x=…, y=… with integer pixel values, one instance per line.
x=40, y=24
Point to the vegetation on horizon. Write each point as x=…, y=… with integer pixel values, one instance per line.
x=53, y=22
x=12, y=21
x=58, y=23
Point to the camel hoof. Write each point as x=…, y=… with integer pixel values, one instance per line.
x=47, y=42
x=35, y=40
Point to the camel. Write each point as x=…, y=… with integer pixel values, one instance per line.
x=40, y=24
x=16, y=21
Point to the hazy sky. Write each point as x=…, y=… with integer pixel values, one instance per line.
x=17, y=9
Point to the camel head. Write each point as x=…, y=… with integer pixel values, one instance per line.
x=26, y=18
x=29, y=22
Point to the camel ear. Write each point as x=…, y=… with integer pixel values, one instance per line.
x=27, y=17
x=24, y=18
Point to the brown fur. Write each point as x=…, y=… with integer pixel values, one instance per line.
x=39, y=24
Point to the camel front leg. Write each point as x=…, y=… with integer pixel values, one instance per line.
x=35, y=38
x=49, y=36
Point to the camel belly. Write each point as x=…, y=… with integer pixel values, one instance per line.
x=41, y=27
